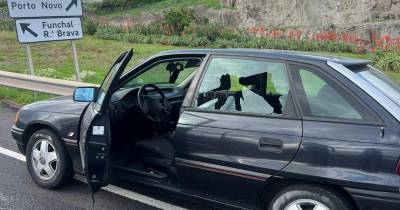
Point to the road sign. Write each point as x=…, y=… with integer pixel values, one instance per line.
x=44, y=8
x=48, y=29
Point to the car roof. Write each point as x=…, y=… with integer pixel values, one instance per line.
x=273, y=54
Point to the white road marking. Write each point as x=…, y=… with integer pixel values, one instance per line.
x=12, y=154
x=110, y=188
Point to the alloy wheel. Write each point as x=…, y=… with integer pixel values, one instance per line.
x=306, y=204
x=44, y=159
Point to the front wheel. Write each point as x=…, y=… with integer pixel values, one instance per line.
x=307, y=197
x=47, y=160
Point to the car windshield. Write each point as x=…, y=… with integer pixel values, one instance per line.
x=168, y=73
x=378, y=79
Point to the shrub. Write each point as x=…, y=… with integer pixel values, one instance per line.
x=3, y=9
x=140, y=39
x=222, y=43
x=109, y=33
x=112, y=4
x=152, y=29
x=388, y=60
x=213, y=35
x=179, y=18
x=3, y=3
x=7, y=25
x=89, y=26
x=211, y=31
x=121, y=4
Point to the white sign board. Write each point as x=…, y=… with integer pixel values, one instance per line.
x=48, y=29
x=44, y=8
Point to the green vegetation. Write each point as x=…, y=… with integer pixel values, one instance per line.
x=195, y=38
x=181, y=28
x=95, y=55
x=111, y=5
x=89, y=27
x=179, y=19
x=7, y=25
x=389, y=60
x=18, y=96
x=116, y=8
x=55, y=59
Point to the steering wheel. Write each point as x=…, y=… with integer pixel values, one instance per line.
x=155, y=109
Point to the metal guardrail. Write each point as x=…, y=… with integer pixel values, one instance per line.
x=40, y=84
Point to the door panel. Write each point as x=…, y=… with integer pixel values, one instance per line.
x=95, y=146
x=95, y=133
x=238, y=132
x=244, y=150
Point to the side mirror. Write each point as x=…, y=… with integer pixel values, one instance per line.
x=85, y=94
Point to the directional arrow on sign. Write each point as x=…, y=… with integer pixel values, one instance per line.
x=25, y=27
x=32, y=30
x=73, y=2
x=44, y=8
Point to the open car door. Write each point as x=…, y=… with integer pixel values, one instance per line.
x=95, y=133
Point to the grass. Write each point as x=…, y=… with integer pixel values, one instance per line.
x=161, y=5
x=54, y=59
x=21, y=97
x=95, y=56
x=395, y=76
x=367, y=56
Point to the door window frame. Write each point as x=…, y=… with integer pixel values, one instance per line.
x=323, y=73
x=191, y=105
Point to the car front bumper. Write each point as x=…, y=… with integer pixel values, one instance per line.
x=375, y=200
x=17, y=134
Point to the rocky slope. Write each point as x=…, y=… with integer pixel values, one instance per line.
x=359, y=16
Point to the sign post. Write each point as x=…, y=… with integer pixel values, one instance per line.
x=47, y=20
x=75, y=55
x=29, y=59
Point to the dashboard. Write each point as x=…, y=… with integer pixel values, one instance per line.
x=124, y=101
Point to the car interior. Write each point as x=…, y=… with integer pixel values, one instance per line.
x=144, y=112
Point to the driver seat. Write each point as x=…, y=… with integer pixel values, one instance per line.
x=157, y=152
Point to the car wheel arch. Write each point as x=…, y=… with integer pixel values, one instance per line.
x=271, y=187
x=36, y=126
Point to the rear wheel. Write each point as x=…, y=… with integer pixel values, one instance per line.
x=47, y=160
x=307, y=197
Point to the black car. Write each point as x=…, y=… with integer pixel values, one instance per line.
x=241, y=128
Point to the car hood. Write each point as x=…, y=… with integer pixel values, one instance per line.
x=63, y=104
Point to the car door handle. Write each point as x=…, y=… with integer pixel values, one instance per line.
x=270, y=144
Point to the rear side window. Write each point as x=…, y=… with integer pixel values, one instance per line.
x=244, y=85
x=323, y=98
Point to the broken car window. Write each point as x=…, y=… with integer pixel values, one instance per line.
x=243, y=85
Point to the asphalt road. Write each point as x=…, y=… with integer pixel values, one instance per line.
x=18, y=191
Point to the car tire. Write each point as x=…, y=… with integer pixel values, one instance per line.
x=47, y=160
x=309, y=197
